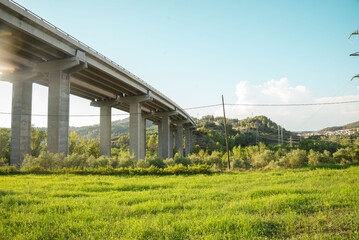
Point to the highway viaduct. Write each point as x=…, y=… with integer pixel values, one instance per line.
x=34, y=51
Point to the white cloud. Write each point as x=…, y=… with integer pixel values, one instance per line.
x=291, y=117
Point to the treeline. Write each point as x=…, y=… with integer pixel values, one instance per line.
x=244, y=152
x=337, y=150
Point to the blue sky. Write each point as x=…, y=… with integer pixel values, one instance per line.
x=195, y=51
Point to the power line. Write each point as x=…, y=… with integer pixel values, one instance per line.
x=293, y=104
x=206, y=106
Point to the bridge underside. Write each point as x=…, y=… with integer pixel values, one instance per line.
x=32, y=51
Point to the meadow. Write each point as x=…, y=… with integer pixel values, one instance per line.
x=276, y=204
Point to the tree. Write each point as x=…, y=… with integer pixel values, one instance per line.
x=76, y=144
x=152, y=143
x=5, y=144
x=38, y=138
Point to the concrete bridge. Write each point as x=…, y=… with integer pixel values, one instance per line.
x=34, y=51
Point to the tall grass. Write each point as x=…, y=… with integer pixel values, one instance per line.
x=277, y=204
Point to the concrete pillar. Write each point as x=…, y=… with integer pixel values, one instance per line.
x=20, y=122
x=159, y=139
x=179, y=139
x=188, y=141
x=165, y=136
x=170, y=153
x=135, y=129
x=143, y=139
x=105, y=130
x=58, y=112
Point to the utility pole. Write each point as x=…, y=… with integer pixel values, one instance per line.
x=291, y=141
x=225, y=130
x=281, y=129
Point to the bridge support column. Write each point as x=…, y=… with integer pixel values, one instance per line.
x=179, y=139
x=188, y=141
x=143, y=138
x=59, y=99
x=135, y=129
x=179, y=136
x=136, y=122
x=159, y=139
x=165, y=136
x=58, y=112
x=20, y=122
x=105, y=131
x=105, y=125
x=170, y=154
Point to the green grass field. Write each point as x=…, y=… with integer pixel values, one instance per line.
x=294, y=204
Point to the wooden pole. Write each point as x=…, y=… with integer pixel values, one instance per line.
x=225, y=130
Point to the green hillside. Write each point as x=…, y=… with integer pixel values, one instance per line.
x=347, y=126
x=210, y=132
x=119, y=128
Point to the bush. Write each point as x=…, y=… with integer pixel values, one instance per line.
x=169, y=162
x=3, y=162
x=126, y=160
x=194, y=159
x=37, y=170
x=181, y=160
x=343, y=156
x=114, y=162
x=8, y=170
x=239, y=163
x=294, y=159
x=45, y=160
x=142, y=164
x=262, y=159
x=316, y=158
x=156, y=162
x=199, y=169
x=215, y=160
x=176, y=170
x=75, y=161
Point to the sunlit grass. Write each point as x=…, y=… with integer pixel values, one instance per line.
x=320, y=204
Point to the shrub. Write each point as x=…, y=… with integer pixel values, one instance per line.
x=3, y=162
x=194, y=159
x=126, y=160
x=169, y=162
x=262, y=159
x=102, y=162
x=142, y=164
x=316, y=158
x=181, y=160
x=46, y=160
x=75, y=161
x=114, y=161
x=343, y=156
x=176, y=169
x=239, y=163
x=156, y=162
x=272, y=165
x=199, y=169
x=37, y=170
x=215, y=160
x=8, y=170
x=294, y=159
